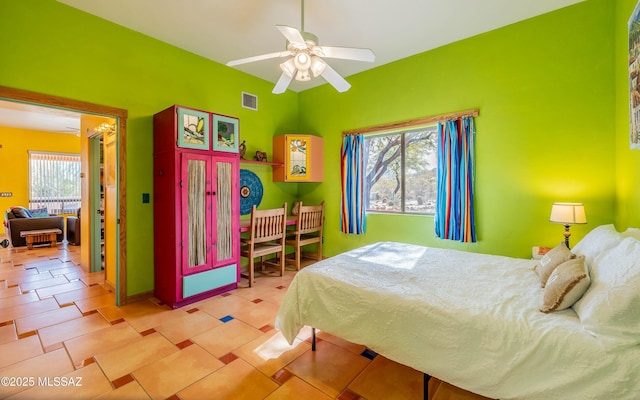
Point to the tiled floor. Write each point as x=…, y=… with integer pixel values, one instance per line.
x=61, y=336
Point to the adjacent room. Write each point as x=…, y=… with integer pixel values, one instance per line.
x=330, y=200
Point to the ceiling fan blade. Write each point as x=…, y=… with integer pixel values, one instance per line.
x=282, y=84
x=258, y=58
x=334, y=78
x=293, y=36
x=346, y=53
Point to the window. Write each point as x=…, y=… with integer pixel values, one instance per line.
x=54, y=182
x=401, y=171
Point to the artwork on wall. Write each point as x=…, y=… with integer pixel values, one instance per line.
x=634, y=78
x=250, y=191
x=193, y=132
x=225, y=133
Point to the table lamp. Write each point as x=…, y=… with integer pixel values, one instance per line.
x=568, y=214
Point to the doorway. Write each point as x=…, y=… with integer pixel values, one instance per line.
x=119, y=168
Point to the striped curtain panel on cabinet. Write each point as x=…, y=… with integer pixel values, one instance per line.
x=454, y=219
x=352, y=207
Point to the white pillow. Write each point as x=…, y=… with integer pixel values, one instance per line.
x=551, y=260
x=633, y=232
x=595, y=242
x=611, y=305
x=566, y=284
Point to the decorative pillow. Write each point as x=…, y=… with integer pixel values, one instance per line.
x=20, y=212
x=611, y=305
x=632, y=232
x=566, y=284
x=39, y=213
x=595, y=242
x=551, y=260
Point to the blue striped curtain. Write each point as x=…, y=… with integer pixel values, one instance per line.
x=454, y=219
x=352, y=208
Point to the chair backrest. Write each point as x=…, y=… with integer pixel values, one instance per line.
x=267, y=225
x=310, y=219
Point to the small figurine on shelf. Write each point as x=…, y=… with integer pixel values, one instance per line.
x=260, y=156
x=242, y=148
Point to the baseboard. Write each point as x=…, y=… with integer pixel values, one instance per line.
x=139, y=297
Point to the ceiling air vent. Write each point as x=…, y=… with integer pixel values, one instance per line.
x=249, y=101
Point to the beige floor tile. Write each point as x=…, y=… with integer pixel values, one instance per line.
x=84, y=383
x=227, y=337
x=93, y=303
x=384, y=379
x=143, y=322
x=8, y=333
x=46, y=265
x=221, y=306
x=9, y=292
x=33, y=277
x=175, y=372
x=11, y=313
x=296, y=388
x=236, y=380
x=32, y=285
x=65, y=287
x=68, y=269
x=130, y=391
x=19, y=350
x=187, y=326
x=93, y=278
x=58, y=333
x=330, y=368
x=55, y=363
x=47, y=318
x=19, y=299
x=261, y=314
x=130, y=357
x=82, y=293
x=112, y=312
x=271, y=352
x=97, y=342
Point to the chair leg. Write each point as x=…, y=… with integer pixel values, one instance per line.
x=298, y=256
x=320, y=250
x=250, y=270
x=282, y=263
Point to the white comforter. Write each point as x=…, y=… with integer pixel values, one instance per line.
x=468, y=319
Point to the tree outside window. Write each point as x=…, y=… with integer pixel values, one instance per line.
x=401, y=171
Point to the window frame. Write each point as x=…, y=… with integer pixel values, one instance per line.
x=49, y=202
x=433, y=126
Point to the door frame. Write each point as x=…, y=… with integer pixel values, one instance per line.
x=24, y=96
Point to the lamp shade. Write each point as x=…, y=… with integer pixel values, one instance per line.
x=568, y=213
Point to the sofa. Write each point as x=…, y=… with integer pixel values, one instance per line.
x=19, y=219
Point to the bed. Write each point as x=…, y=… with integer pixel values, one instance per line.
x=474, y=320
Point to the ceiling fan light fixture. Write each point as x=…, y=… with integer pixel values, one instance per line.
x=288, y=67
x=303, y=75
x=302, y=60
x=317, y=66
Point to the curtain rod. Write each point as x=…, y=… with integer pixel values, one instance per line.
x=413, y=122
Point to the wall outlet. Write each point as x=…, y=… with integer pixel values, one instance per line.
x=6, y=194
x=145, y=197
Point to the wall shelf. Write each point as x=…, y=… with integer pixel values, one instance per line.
x=261, y=162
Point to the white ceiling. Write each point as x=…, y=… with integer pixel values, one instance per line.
x=225, y=30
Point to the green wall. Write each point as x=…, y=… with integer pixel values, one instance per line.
x=627, y=161
x=551, y=126
x=51, y=48
x=544, y=89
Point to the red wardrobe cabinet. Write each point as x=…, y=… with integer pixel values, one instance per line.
x=196, y=206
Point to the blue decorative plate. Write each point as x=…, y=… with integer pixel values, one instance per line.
x=250, y=191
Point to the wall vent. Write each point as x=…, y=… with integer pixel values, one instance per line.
x=249, y=101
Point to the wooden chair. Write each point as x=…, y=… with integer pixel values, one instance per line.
x=308, y=231
x=266, y=236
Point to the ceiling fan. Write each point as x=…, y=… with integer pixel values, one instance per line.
x=307, y=58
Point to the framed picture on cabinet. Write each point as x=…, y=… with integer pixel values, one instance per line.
x=193, y=129
x=225, y=133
